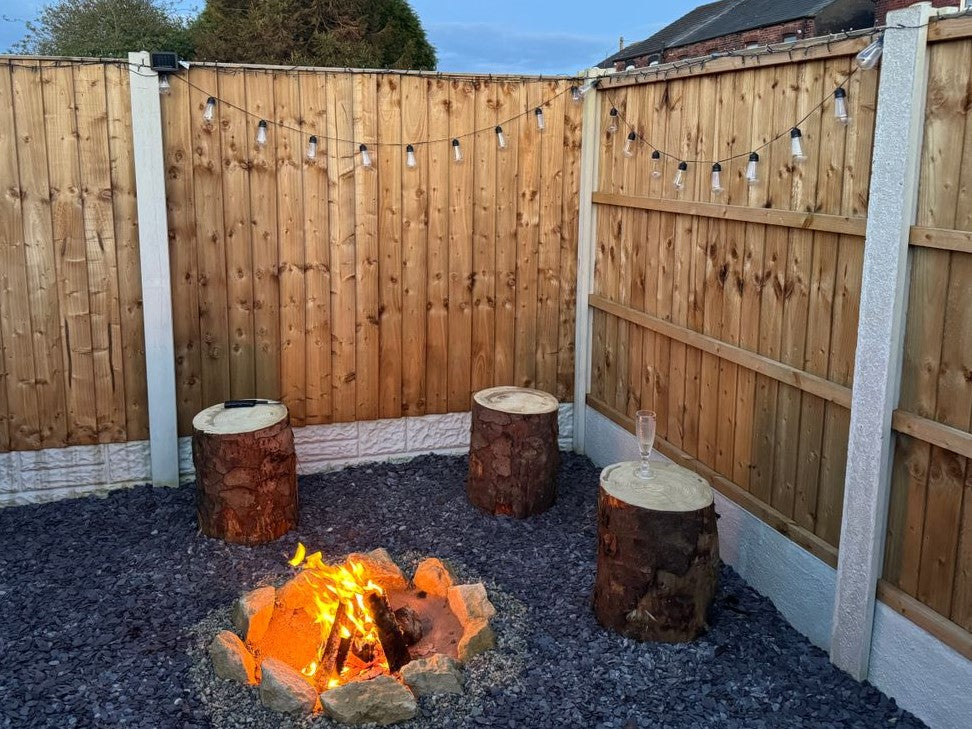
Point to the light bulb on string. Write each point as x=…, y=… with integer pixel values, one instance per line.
x=500, y=137
x=796, y=145
x=164, y=85
x=656, y=164
x=870, y=56
x=261, y=137
x=312, y=147
x=577, y=93
x=538, y=112
x=716, y=178
x=456, y=151
x=679, y=181
x=752, y=169
x=210, y=109
x=629, y=145
x=410, y=160
x=613, y=123
x=840, y=105
x=365, y=156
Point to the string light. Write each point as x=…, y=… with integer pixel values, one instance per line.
x=312, y=147
x=613, y=123
x=840, y=105
x=629, y=148
x=679, y=181
x=796, y=145
x=164, y=85
x=456, y=151
x=577, y=93
x=500, y=137
x=410, y=160
x=210, y=111
x=656, y=164
x=870, y=56
x=539, y=114
x=716, y=178
x=752, y=169
x=365, y=156
x=261, y=138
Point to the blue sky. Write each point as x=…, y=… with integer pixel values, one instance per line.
x=493, y=36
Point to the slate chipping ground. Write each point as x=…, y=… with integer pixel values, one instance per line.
x=108, y=605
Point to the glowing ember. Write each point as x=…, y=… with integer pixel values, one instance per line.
x=349, y=640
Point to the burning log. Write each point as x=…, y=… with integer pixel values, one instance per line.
x=411, y=624
x=328, y=667
x=389, y=633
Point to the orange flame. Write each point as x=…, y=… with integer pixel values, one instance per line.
x=333, y=586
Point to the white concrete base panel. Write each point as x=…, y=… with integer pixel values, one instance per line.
x=917, y=670
x=29, y=477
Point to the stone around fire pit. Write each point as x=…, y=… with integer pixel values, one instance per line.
x=438, y=674
x=252, y=613
x=381, y=568
x=231, y=659
x=382, y=700
x=469, y=603
x=285, y=690
x=477, y=637
x=434, y=577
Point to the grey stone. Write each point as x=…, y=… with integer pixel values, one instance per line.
x=434, y=577
x=252, y=613
x=470, y=604
x=382, y=700
x=284, y=689
x=437, y=674
x=231, y=659
x=477, y=637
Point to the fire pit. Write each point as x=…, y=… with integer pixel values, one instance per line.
x=356, y=640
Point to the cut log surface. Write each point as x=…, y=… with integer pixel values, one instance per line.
x=246, y=473
x=658, y=553
x=513, y=454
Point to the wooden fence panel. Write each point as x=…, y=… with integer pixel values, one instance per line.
x=929, y=544
x=771, y=268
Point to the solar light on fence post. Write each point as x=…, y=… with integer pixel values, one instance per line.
x=312, y=147
x=752, y=169
x=840, y=105
x=629, y=145
x=410, y=160
x=261, y=137
x=796, y=145
x=613, y=123
x=210, y=110
x=679, y=181
x=716, y=178
x=539, y=114
x=365, y=155
x=456, y=151
x=656, y=164
x=500, y=137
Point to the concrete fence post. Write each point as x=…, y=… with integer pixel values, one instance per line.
x=877, y=368
x=586, y=244
x=153, y=242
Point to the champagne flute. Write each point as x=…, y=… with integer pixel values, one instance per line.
x=645, y=422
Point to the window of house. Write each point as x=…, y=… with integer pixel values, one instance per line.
x=790, y=38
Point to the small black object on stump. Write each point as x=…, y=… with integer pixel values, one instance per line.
x=513, y=453
x=246, y=472
x=657, y=553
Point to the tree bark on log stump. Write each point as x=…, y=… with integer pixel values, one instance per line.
x=513, y=453
x=657, y=553
x=246, y=473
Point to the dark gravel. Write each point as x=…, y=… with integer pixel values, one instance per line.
x=107, y=605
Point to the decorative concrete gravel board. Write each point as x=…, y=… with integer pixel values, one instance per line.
x=58, y=473
x=110, y=604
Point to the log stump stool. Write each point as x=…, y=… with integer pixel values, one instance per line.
x=657, y=553
x=513, y=454
x=246, y=473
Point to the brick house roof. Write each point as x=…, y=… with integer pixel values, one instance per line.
x=718, y=19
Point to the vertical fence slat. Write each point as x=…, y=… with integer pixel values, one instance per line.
x=389, y=166
x=506, y=173
x=483, y=341
x=366, y=252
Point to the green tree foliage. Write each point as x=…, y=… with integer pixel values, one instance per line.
x=105, y=28
x=341, y=33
